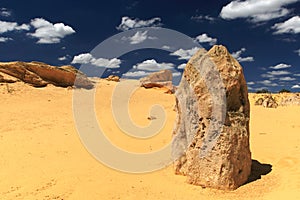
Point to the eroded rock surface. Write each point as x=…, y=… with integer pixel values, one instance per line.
x=227, y=165
x=40, y=74
x=113, y=78
x=160, y=79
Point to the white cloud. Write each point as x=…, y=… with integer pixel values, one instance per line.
x=251, y=83
x=49, y=33
x=298, y=52
x=185, y=54
x=287, y=78
x=280, y=66
x=5, y=39
x=182, y=66
x=62, y=58
x=203, y=18
x=175, y=74
x=168, y=47
x=109, y=63
x=5, y=12
x=138, y=37
x=204, y=38
x=291, y=25
x=152, y=65
x=296, y=87
x=256, y=10
x=296, y=74
x=238, y=57
x=12, y=26
x=278, y=73
x=84, y=58
x=268, y=83
x=273, y=74
x=268, y=76
x=128, y=23
x=136, y=74
x=87, y=58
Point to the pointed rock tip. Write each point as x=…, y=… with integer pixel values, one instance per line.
x=218, y=50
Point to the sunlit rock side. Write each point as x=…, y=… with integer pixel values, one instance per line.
x=40, y=74
x=228, y=164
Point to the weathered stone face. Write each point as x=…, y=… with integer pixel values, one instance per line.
x=40, y=74
x=161, y=78
x=216, y=145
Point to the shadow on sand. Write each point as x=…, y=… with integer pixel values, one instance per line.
x=257, y=170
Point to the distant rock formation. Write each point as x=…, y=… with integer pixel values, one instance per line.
x=40, y=74
x=267, y=101
x=113, y=78
x=159, y=79
x=228, y=164
x=291, y=99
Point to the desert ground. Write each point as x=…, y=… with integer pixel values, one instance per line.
x=42, y=156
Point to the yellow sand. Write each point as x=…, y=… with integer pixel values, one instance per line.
x=42, y=156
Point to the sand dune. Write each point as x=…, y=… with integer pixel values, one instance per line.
x=42, y=156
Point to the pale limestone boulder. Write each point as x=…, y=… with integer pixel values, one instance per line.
x=227, y=164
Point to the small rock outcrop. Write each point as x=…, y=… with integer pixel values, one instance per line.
x=227, y=165
x=40, y=74
x=259, y=102
x=159, y=79
x=291, y=99
x=267, y=101
x=113, y=78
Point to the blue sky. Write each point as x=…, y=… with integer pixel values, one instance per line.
x=262, y=34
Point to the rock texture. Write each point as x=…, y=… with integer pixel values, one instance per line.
x=40, y=74
x=291, y=99
x=267, y=101
x=227, y=165
x=113, y=78
x=4, y=78
x=160, y=79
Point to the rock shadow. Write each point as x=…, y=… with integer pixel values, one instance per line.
x=257, y=170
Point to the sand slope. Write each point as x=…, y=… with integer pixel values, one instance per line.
x=42, y=156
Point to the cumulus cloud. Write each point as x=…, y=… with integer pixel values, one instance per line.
x=5, y=39
x=5, y=12
x=203, y=18
x=278, y=73
x=298, y=52
x=49, y=33
x=251, y=83
x=272, y=74
x=280, y=66
x=291, y=25
x=296, y=74
x=256, y=10
x=87, y=58
x=130, y=23
x=152, y=65
x=204, y=38
x=182, y=66
x=296, y=87
x=287, y=78
x=136, y=74
x=12, y=26
x=185, y=54
x=138, y=37
x=268, y=83
x=62, y=58
x=238, y=57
